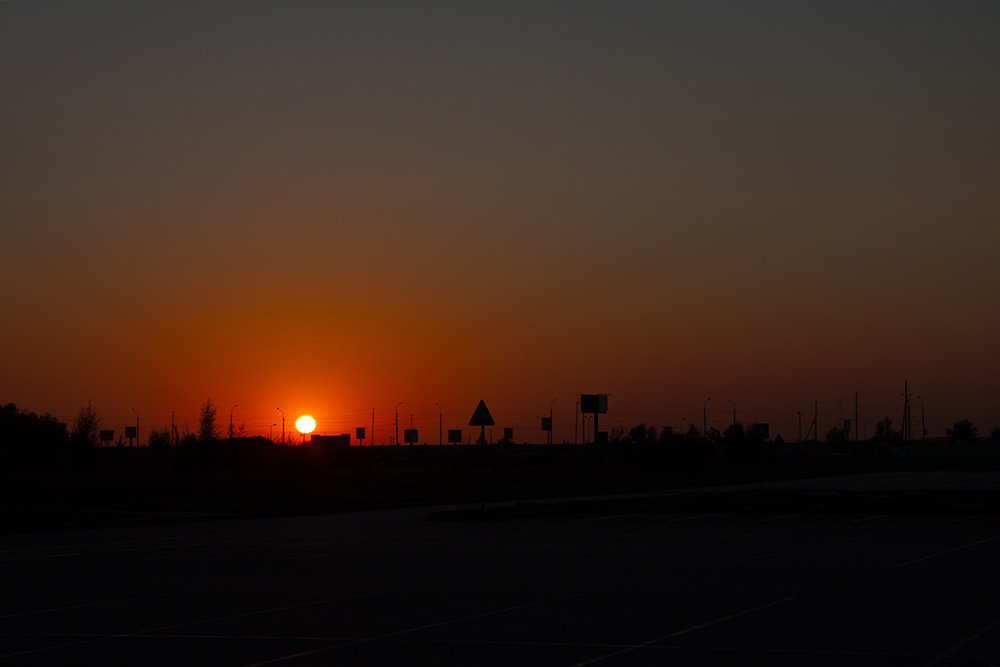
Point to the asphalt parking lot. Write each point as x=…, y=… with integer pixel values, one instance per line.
x=391, y=587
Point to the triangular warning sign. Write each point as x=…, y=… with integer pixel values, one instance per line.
x=481, y=417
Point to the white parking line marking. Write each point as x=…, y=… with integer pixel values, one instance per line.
x=685, y=631
x=948, y=551
x=941, y=657
x=387, y=635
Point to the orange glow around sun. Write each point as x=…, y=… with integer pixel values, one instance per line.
x=305, y=424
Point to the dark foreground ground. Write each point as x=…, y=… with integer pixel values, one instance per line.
x=611, y=584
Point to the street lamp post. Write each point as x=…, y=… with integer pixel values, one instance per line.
x=282, y=424
x=704, y=418
x=396, y=422
x=551, y=427
x=231, y=420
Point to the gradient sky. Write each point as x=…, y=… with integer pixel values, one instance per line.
x=329, y=207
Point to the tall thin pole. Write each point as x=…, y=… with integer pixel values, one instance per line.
x=282, y=424
x=372, y=436
x=816, y=421
x=799, y=413
x=704, y=418
x=856, y=398
x=231, y=420
x=734, y=411
x=397, y=422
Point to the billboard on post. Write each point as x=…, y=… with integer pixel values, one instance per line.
x=594, y=403
x=410, y=436
x=359, y=433
x=454, y=436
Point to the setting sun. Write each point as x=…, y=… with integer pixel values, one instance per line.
x=305, y=424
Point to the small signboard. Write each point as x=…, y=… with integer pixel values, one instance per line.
x=547, y=423
x=454, y=436
x=107, y=436
x=594, y=403
x=482, y=416
x=508, y=433
x=410, y=436
x=131, y=432
x=359, y=433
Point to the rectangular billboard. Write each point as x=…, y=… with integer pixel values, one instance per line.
x=454, y=436
x=593, y=403
x=410, y=436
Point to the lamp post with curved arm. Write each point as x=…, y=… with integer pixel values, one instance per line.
x=397, y=422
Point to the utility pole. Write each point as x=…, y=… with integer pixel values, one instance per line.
x=231, y=420
x=906, y=411
x=396, y=422
x=173, y=429
x=856, y=399
x=704, y=419
x=282, y=424
x=816, y=421
x=372, y=440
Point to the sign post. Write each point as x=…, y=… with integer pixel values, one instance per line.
x=482, y=418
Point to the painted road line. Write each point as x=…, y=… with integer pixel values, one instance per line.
x=397, y=633
x=947, y=551
x=941, y=657
x=685, y=631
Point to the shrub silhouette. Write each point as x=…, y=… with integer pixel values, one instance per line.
x=963, y=431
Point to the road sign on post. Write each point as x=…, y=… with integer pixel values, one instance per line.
x=482, y=418
x=595, y=404
x=410, y=436
x=454, y=436
x=359, y=434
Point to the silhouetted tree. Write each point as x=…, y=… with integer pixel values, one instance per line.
x=206, y=429
x=160, y=437
x=87, y=427
x=963, y=431
x=836, y=434
x=884, y=431
x=692, y=433
x=666, y=435
x=29, y=438
x=734, y=433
